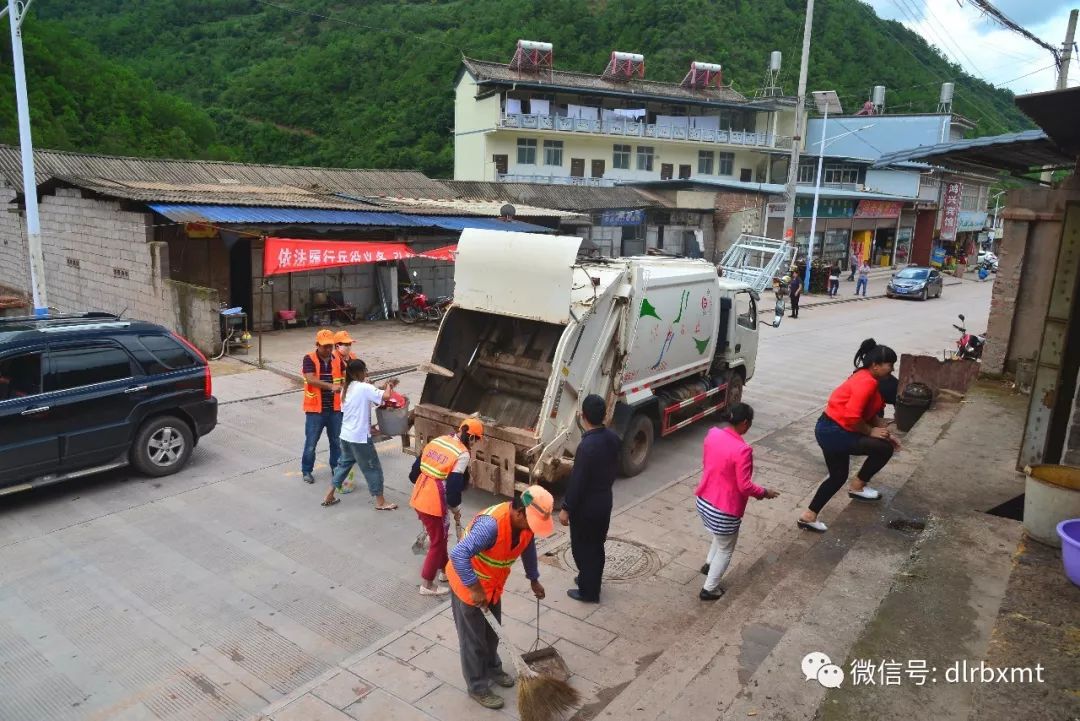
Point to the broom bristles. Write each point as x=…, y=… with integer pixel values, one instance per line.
x=543, y=698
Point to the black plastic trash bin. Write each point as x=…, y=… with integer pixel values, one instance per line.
x=911, y=403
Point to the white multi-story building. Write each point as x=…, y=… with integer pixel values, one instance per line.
x=525, y=121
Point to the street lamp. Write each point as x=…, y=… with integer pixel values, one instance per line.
x=827, y=101
x=17, y=12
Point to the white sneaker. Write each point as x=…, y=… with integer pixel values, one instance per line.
x=866, y=494
x=437, y=591
x=441, y=577
x=816, y=526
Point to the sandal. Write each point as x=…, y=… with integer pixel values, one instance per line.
x=387, y=507
x=332, y=502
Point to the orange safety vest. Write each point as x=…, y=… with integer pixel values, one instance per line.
x=313, y=394
x=492, y=567
x=436, y=462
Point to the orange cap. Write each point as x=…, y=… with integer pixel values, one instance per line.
x=324, y=337
x=474, y=426
x=342, y=336
x=539, y=505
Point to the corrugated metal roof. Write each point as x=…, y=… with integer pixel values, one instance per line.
x=485, y=71
x=774, y=189
x=489, y=208
x=319, y=216
x=577, y=198
x=56, y=163
x=1017, y=152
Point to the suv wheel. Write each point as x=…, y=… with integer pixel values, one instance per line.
x=162, y=446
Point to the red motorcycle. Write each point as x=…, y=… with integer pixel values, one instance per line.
x=414, y=305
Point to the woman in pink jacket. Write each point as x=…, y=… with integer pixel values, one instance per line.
x=724, y=489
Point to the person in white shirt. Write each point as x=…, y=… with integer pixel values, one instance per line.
x=356, y=445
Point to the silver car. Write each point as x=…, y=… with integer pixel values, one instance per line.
x=915, y=282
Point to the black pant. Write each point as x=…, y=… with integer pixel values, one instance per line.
x=795, y=306
x=838, y=446
x=587, y=536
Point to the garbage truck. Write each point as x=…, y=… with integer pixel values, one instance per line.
x=534, y=328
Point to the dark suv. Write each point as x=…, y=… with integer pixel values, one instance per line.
x=85, y=393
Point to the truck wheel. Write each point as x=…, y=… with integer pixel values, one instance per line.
x=162, y=446
x=636, y=445
x=735, y=387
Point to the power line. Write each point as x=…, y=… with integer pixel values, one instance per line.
x=1025, y=75
x=956, y=46
x=1000, y=17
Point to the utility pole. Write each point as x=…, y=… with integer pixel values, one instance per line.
x=800, y=123
x=1066, y=53
x=17, y=13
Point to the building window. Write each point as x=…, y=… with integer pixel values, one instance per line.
x=553, y=152
x=645, y=155
x=705, y=162
x=620, y=158
x=726, y=165
x=526, y=151
x=971, y=198
x=840, y=175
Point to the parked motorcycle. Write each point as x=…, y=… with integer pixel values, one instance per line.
x=969, y=346
x=414, y=305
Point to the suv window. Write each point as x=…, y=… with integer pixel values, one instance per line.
x=75, y=367
x=20, y=376
x=165, y=354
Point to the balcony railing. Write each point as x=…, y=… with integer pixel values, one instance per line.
x=633, y=129
x=556, y=180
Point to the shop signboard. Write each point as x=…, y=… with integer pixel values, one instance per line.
x=878, y=209
x=903, y=245
x=971, y=221
x=950, y=211
x=827, y=208
x=616, y=218
x=937, y=258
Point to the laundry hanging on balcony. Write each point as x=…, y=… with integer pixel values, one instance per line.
x=540, y=107
x=513, y=106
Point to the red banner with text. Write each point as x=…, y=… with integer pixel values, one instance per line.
x=292, y=255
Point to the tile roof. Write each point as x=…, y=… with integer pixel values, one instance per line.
x=475, y=206
x=56, y=163
x=576, y=198
x=501, y=73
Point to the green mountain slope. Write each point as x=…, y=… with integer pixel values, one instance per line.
x=82, y=100
x=371, y=82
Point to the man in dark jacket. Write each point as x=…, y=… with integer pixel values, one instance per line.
x=586, y=507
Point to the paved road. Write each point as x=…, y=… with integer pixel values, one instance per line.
x=209, y=594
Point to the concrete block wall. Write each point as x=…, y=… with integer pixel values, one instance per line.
x=14, y=260
x=735, y=213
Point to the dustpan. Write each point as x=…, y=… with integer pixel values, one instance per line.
x=543, y=659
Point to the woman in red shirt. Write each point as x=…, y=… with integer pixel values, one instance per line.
x=851, y=426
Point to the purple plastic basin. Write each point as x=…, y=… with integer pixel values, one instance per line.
x=1070, y=548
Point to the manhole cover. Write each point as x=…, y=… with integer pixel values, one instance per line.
x=624, y=560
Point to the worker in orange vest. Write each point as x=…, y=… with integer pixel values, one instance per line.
x=343, y=344
x=478, y=569
x=324, y=376
x=439, y=475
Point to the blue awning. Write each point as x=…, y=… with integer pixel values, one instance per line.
x=321, y=216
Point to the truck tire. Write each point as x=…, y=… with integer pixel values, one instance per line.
x=735, y=387
x=162, y=446
x=637, y=445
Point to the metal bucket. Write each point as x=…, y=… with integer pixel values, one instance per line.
x=393, y=421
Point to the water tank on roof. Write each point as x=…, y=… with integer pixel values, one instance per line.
x=774, y=60
x=877, y=97
x=946, y=93
x=534, y=45
x=633, y=57
x=705, y=67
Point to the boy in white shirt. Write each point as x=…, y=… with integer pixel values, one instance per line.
x=356, y=444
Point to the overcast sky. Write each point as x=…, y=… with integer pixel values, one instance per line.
x=986, y=49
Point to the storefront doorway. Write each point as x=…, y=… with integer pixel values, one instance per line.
x=884, y=246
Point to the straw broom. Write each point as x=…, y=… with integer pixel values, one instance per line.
x=540, y=697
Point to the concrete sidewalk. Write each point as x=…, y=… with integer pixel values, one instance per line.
x=650, y=617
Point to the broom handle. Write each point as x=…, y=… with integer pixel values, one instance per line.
x=519, y=663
